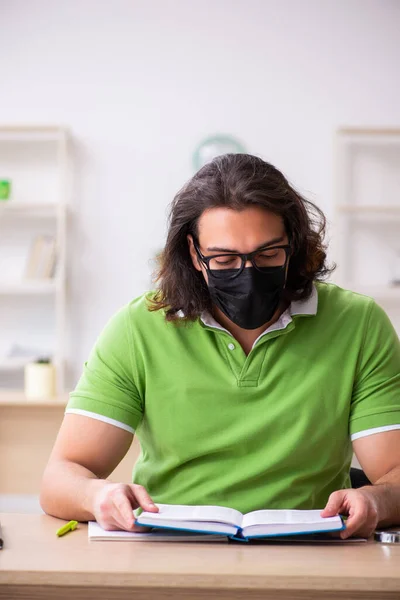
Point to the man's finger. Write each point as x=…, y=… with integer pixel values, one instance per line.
x=334, y=504
x=352, y=524
x=140, y=528
x=143, y=498
x=357, y=518
x=123, y=512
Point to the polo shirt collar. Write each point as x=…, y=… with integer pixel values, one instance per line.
x=306, y=307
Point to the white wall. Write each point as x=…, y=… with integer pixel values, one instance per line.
x=140, y=83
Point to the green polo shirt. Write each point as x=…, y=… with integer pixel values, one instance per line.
x=269, y=430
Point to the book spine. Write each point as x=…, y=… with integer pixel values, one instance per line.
x=49, y=261
x=34, y=257
x=42, y=258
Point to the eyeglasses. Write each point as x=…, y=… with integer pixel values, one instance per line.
x=230, y=265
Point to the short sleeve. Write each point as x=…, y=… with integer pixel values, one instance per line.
x=376, y=392
x=106, y=389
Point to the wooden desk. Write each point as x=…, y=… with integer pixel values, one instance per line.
x=35, y=564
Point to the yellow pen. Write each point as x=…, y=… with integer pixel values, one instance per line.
x=67, y=527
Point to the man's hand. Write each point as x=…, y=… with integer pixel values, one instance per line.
x=361, y=507
x=114, y=503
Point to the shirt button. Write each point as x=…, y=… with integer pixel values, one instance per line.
x=231, y=346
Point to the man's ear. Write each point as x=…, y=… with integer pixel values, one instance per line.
x=193, y=253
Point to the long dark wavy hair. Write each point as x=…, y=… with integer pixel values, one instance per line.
x=236, y=181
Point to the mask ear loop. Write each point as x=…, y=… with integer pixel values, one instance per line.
x=286, y=270
x=288, y=255
x=198, y=254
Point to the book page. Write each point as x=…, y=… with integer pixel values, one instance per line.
x=286, y=517
x=182, y=512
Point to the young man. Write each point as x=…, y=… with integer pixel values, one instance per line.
x=249, y=382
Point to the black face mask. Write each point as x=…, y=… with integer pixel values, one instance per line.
x=250, y=299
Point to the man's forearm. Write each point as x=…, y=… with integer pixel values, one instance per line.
x=387, y=493
x=68, y=490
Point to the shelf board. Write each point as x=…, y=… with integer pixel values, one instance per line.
x=30, y=209
x=370, y=136
x=31, y=288
x=391, y=131
x=17, y=398
x=369, y=208
x=14, y=364
x=382, y=292
x=32, y=133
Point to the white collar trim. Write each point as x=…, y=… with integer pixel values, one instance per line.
x=297, y=307
x=306, y=307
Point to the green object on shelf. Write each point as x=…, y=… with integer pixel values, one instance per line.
x=215, y=146
x=5, y=189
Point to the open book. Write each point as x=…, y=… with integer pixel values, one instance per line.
x=232, y=523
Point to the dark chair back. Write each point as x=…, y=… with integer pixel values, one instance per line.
x=358, y=478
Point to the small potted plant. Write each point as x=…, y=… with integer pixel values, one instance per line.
x=40, y=380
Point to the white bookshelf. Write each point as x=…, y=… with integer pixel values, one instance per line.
x=366, y=237
x=33, y=311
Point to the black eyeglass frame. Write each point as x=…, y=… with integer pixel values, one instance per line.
x=244, y=257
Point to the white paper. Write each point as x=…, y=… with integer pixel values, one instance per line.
x=179, y=513
x=288, y=517
x=97, y=533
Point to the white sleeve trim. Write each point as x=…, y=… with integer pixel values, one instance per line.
x=92, y=415
x=367, y=432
